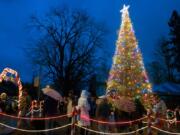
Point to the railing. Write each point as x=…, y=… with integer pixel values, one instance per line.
x=149, y=125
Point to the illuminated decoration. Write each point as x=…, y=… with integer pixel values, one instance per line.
x=34, y=118
x=36, y=106
x=115, y=122
x=127, y=74
x=34, y=131
x=17, y=80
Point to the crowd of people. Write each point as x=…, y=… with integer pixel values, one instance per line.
x=8, y=105
x=101, y=109
x=87, y=106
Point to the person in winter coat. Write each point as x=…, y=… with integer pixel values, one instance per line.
x=159, y=110
x=3, y=98
x=84, y=108
x=103, y=112
x=177, y=117
x=69, y=106
x=92, y=102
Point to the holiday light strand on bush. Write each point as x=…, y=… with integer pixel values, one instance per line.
x=17, y=79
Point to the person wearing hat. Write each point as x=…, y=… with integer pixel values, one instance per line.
x=84, y=108
x=159, y=110
x=3, y=98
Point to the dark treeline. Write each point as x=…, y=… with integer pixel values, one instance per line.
x=166, y=67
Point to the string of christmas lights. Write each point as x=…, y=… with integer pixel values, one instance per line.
x=35, y=118
x=105, y=133
x=114, y=123
x=35, y=131
x=164, y=131
x=17, y=79
x=127, y=74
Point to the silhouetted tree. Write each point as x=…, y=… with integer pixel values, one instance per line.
x=156, y=72
x=169, y=49
x=166, y=50
x=97, y=83
x=93, y=85
x=174, y=24
x=67, y=47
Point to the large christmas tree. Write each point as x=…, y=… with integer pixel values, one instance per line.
x=127, y=74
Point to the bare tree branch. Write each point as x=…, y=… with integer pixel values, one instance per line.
x=66, y=48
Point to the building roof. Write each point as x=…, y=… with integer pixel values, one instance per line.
x=167, y=88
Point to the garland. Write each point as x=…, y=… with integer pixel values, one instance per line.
x=17, y=80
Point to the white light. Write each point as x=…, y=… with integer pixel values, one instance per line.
x=125, y=9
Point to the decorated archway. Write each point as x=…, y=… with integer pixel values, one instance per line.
x=17, y=80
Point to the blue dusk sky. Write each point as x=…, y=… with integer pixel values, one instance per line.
x=149, y=19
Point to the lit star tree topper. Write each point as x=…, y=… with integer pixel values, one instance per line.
x=124, y=11
x=127, y=74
